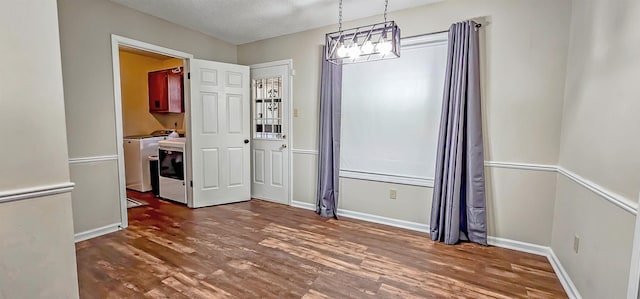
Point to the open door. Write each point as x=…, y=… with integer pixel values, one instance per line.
x=219, y=133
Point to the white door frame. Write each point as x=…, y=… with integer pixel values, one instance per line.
x=289, y=141
x=116, y=42
x=633, y=290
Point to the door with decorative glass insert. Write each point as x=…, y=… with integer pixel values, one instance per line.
x=270, y=96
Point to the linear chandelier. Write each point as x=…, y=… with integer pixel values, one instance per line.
x=362, y=44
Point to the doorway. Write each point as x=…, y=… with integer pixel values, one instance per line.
x=215, y=150
x=134, y=46
x=270, y=128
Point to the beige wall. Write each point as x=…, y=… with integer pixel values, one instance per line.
x=85, y=39
x=136, y=118
x=601, y=106
x=600, y=143
x=37, y=255
x=523, y=58
x=600, y=269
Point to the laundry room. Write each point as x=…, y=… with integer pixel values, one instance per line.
x=153, y=126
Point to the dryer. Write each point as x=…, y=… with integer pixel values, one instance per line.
x=137, y=150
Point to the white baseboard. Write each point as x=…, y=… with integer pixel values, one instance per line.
x=303, y=205
x=385, y=220
x=368, y=217
x=90, y=234
x=518, y=246
x=564, y=277
x=546, y=251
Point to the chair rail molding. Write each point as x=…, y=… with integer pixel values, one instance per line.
x=36, y=191
x=614, y=198
x=304, y=151
x=93, y=159
x=523, y=166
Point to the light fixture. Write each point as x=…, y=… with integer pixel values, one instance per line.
x=366, y=43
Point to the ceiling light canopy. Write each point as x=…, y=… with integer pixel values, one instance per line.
x=362, y=44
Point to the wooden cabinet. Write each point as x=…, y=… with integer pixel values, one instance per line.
x=166, y=91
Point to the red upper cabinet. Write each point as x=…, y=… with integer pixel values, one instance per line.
x=165, y=91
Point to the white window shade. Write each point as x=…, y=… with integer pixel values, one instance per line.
x=391, y=114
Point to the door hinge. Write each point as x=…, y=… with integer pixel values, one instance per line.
x=189, y=75
x=292, y=72
x=191, y=184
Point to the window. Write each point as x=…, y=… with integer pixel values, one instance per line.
x=391, y=114
x=267, y=101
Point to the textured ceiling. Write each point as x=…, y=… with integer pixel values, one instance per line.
x=243, y=21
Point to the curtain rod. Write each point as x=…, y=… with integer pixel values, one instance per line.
x=478, y=26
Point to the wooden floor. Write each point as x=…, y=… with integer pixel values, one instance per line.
x=258, y=249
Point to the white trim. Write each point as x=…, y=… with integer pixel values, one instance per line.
x=93, y=159
x=546, y=251
x=140, y=45
x=37, y=191
x=116, y=42
x=616, y=199
x=523, y=166
x=563, y=276
x=633, y=289
x=518, y=245
x=304, y=151
x=270, y=200
x=90, y=234
x=385, y=220
x=404, y=180
x=303, y=205
x=290, y=71
x=287, y=62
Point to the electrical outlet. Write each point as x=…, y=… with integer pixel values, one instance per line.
x=393, y=193
x=576, y=243
x=295, y=112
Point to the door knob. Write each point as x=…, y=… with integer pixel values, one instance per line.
x=246, y=141
x=284, y=146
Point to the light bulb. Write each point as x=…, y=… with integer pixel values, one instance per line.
x=342, y=51
x=354, y=51
x=367, y=47
x=384, y=47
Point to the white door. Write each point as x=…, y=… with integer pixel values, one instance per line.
x=219, y=133
x=270, y=96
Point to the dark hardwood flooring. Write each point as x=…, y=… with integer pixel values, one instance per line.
x=258, y=249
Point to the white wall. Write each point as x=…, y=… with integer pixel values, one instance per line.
x=523, y=47
x=37, y=254
x=85, y=39
x=600, y=143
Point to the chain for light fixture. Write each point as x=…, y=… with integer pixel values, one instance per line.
x=366, y=43
x=386, y=5
x=340, y=17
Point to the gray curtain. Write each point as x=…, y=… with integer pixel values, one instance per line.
x=329, y=151
x=458, y=210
